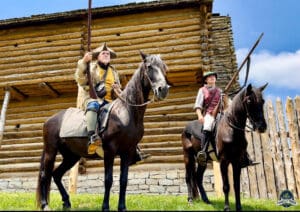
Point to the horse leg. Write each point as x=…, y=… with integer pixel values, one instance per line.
x=200, y=174
x=224, y=171
x=44, y=178
x=68, y=162
x=123, y=183
x=108, y=179
x=236, y=179
x=190, y=175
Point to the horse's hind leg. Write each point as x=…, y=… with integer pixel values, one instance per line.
x=190, y=175
x=44, y=178
x=68, y=162
x=200, y=174
x=224, y=171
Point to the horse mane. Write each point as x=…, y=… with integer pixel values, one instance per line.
x=133, y=86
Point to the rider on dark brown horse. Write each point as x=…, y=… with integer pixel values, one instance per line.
x=207, y=100
x=100, y=71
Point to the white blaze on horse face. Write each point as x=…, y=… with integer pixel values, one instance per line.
x=160, y=87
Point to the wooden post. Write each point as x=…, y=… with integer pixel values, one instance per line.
x=219, y=181
x=3, y=113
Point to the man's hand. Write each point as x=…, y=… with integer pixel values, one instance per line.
x=87, y=57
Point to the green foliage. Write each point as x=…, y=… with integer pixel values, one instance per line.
x=84, y=202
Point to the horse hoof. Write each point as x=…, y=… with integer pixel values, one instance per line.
x=190, y=202
x=46, y=208
x=207, y=201
x=66, y=205
x=226, y=208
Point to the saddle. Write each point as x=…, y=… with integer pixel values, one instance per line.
x=195, y=128
x=74, y=122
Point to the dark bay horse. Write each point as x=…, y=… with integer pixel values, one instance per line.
x=125, y=129
x=231, y=143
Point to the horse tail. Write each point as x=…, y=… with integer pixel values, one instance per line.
x=46, y=168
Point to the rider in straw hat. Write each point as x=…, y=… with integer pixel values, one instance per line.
x=100, y=70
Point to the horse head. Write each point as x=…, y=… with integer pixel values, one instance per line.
x=254, y=105
x=155, y=72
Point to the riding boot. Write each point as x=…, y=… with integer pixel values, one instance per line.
x=94, y=142
x=140, y=156
x=247, y=161
x=201, y=155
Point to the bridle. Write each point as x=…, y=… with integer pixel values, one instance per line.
x=145, y=103
x=229, y=122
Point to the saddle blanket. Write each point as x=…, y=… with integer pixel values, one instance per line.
x=73, y=123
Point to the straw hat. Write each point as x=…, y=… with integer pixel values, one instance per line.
x=104, y=47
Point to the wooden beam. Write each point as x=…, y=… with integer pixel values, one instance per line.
x=3, y=113
x=16, y=94
x=49, y=89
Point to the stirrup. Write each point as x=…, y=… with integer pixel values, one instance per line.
x=94, y=144
x=201, y=158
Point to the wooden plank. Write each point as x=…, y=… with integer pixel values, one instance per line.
x=289, y=172
x=279, y=172
x=260, y=174
x=294, y=139
x=252, y=169
x=268, y=153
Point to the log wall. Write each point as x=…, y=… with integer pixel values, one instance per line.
x=37, y=61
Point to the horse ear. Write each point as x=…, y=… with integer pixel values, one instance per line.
x=249, y=89
x=143, y=55
x=263, y=87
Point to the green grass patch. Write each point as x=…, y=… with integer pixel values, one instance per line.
x=84, y=202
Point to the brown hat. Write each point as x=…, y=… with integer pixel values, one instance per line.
x=104, y=47
x=209, y=73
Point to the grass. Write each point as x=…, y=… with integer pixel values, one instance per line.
x=84, y=202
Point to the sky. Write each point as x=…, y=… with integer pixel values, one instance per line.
x=276, y=59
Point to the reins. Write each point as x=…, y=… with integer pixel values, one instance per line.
x=134, y=105
x=236, y=127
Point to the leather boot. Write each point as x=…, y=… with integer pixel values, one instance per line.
x=140, y=156
x=202, y=155
x=95, y=144
x=247, y=161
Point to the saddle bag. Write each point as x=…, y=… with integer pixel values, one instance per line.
x=100, y=89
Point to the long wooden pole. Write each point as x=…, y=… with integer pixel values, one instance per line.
x=73, y=176
x=3, y=113
x=242, y=65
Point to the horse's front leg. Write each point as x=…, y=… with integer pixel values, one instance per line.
x=108, y=179
x=236, y=179
x=224, y=171
x=200, y=174
x=123, y=182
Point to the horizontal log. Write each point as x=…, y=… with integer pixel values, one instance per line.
x=164, y=124
x=173, y=109
x=41, y=57
x=26, y=134
x=171, y=117
x=25, y=127
x=38, y=39
x=15, y=154
x=23, y=140
x=62, y=78
x=161, y=138
x=20, y=160
x=41, y=30
x=32, y=63
x=165, y=130
x=22, y=147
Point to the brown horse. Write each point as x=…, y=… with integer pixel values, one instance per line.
x=124, y=130
x=231, y=143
